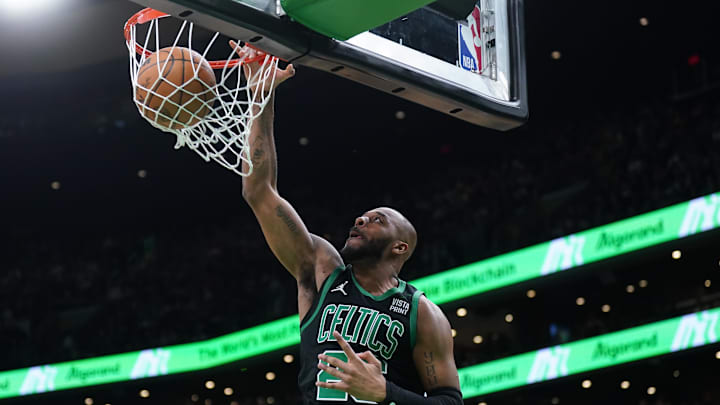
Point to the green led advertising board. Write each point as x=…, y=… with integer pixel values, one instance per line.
x=671, y=223
x=641, y=342
x=632, y=234
x=655, y=339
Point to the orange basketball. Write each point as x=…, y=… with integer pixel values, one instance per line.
x=178, y=84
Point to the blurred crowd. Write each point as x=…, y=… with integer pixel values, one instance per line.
x=69, y=298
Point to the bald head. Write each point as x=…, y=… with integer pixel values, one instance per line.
x=404, y=230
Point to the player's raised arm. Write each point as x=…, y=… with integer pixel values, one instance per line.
x=307, y=257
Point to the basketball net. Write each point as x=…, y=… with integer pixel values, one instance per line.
x=222, y=134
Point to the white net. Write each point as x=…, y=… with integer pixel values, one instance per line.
x=210, y=107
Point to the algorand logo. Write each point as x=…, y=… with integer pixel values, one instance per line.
x=702, y=215
x=695, y=330
x=39, y=379
x=563, y=254
x=549, y=363
x=150, y=363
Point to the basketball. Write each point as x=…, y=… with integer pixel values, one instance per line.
x=175, y=88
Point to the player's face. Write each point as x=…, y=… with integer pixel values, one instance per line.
x=368, y=238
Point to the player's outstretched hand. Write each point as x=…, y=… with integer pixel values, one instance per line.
x=360, y=377
x=250, y=54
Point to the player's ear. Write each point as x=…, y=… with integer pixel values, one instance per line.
x=400, y=247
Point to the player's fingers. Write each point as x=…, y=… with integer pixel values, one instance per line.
x=370, y=358
x=340, y=386
x=345, y=346
x=284, y=74
x=333, y=371
x=239, y=50
x=333, y=361
x=289, y=70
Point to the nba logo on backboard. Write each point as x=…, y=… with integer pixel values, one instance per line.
x=470, y=42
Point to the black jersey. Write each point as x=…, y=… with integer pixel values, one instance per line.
x=385, y=325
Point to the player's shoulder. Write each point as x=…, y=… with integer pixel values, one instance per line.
x=433, y=327
x=430, y=309
x=431, y=316
x=325, y=253
x=327, y=259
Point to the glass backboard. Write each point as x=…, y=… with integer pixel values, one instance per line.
x=472, y=69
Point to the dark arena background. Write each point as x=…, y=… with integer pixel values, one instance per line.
x=113, y=244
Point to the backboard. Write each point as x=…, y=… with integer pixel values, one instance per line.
x=472, y=69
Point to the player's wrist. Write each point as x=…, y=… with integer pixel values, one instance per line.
x=385, y=400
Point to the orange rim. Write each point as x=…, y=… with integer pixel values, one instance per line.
x=148, y=14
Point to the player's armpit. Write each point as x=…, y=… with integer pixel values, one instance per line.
x=433, y=353
x=327, y=259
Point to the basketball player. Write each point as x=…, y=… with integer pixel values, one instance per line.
x=366, y=335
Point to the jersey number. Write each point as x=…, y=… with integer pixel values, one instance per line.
x=327, y=394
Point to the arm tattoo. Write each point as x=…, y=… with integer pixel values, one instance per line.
x=258, y=156
x=292, y=226
x=430, y=373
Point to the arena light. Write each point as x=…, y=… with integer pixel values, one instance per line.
x=89, y=401
x=194, y=397
x=461, y=312
x=142, y=173
x=16, y=7
x=144, y=393
x=209, y=384
x=453, y=332
x=630, y=288
x=482, y=403
x=288, y=358
x=270, y=376
x=693, y=60
x=400, y=115
x=55, y=185
x=676, y=373
x=580, y=301
x=676, y=254
x=228, y=391
x=708, y=283
x=605, y=308
x=717, y=355
x=651, y=390
x=477, y=339
x=270, y=400
x=556, y=55
x=625, y=384
x=644, y=21
x=531, y=293
x=555, y=400
x=509, y=318
x=586, y=384
x=643, y=283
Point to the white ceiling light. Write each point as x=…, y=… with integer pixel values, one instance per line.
x=27, y=6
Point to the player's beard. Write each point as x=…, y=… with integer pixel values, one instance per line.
x=370, y=250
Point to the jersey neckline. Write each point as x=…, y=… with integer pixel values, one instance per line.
x=395, y=290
